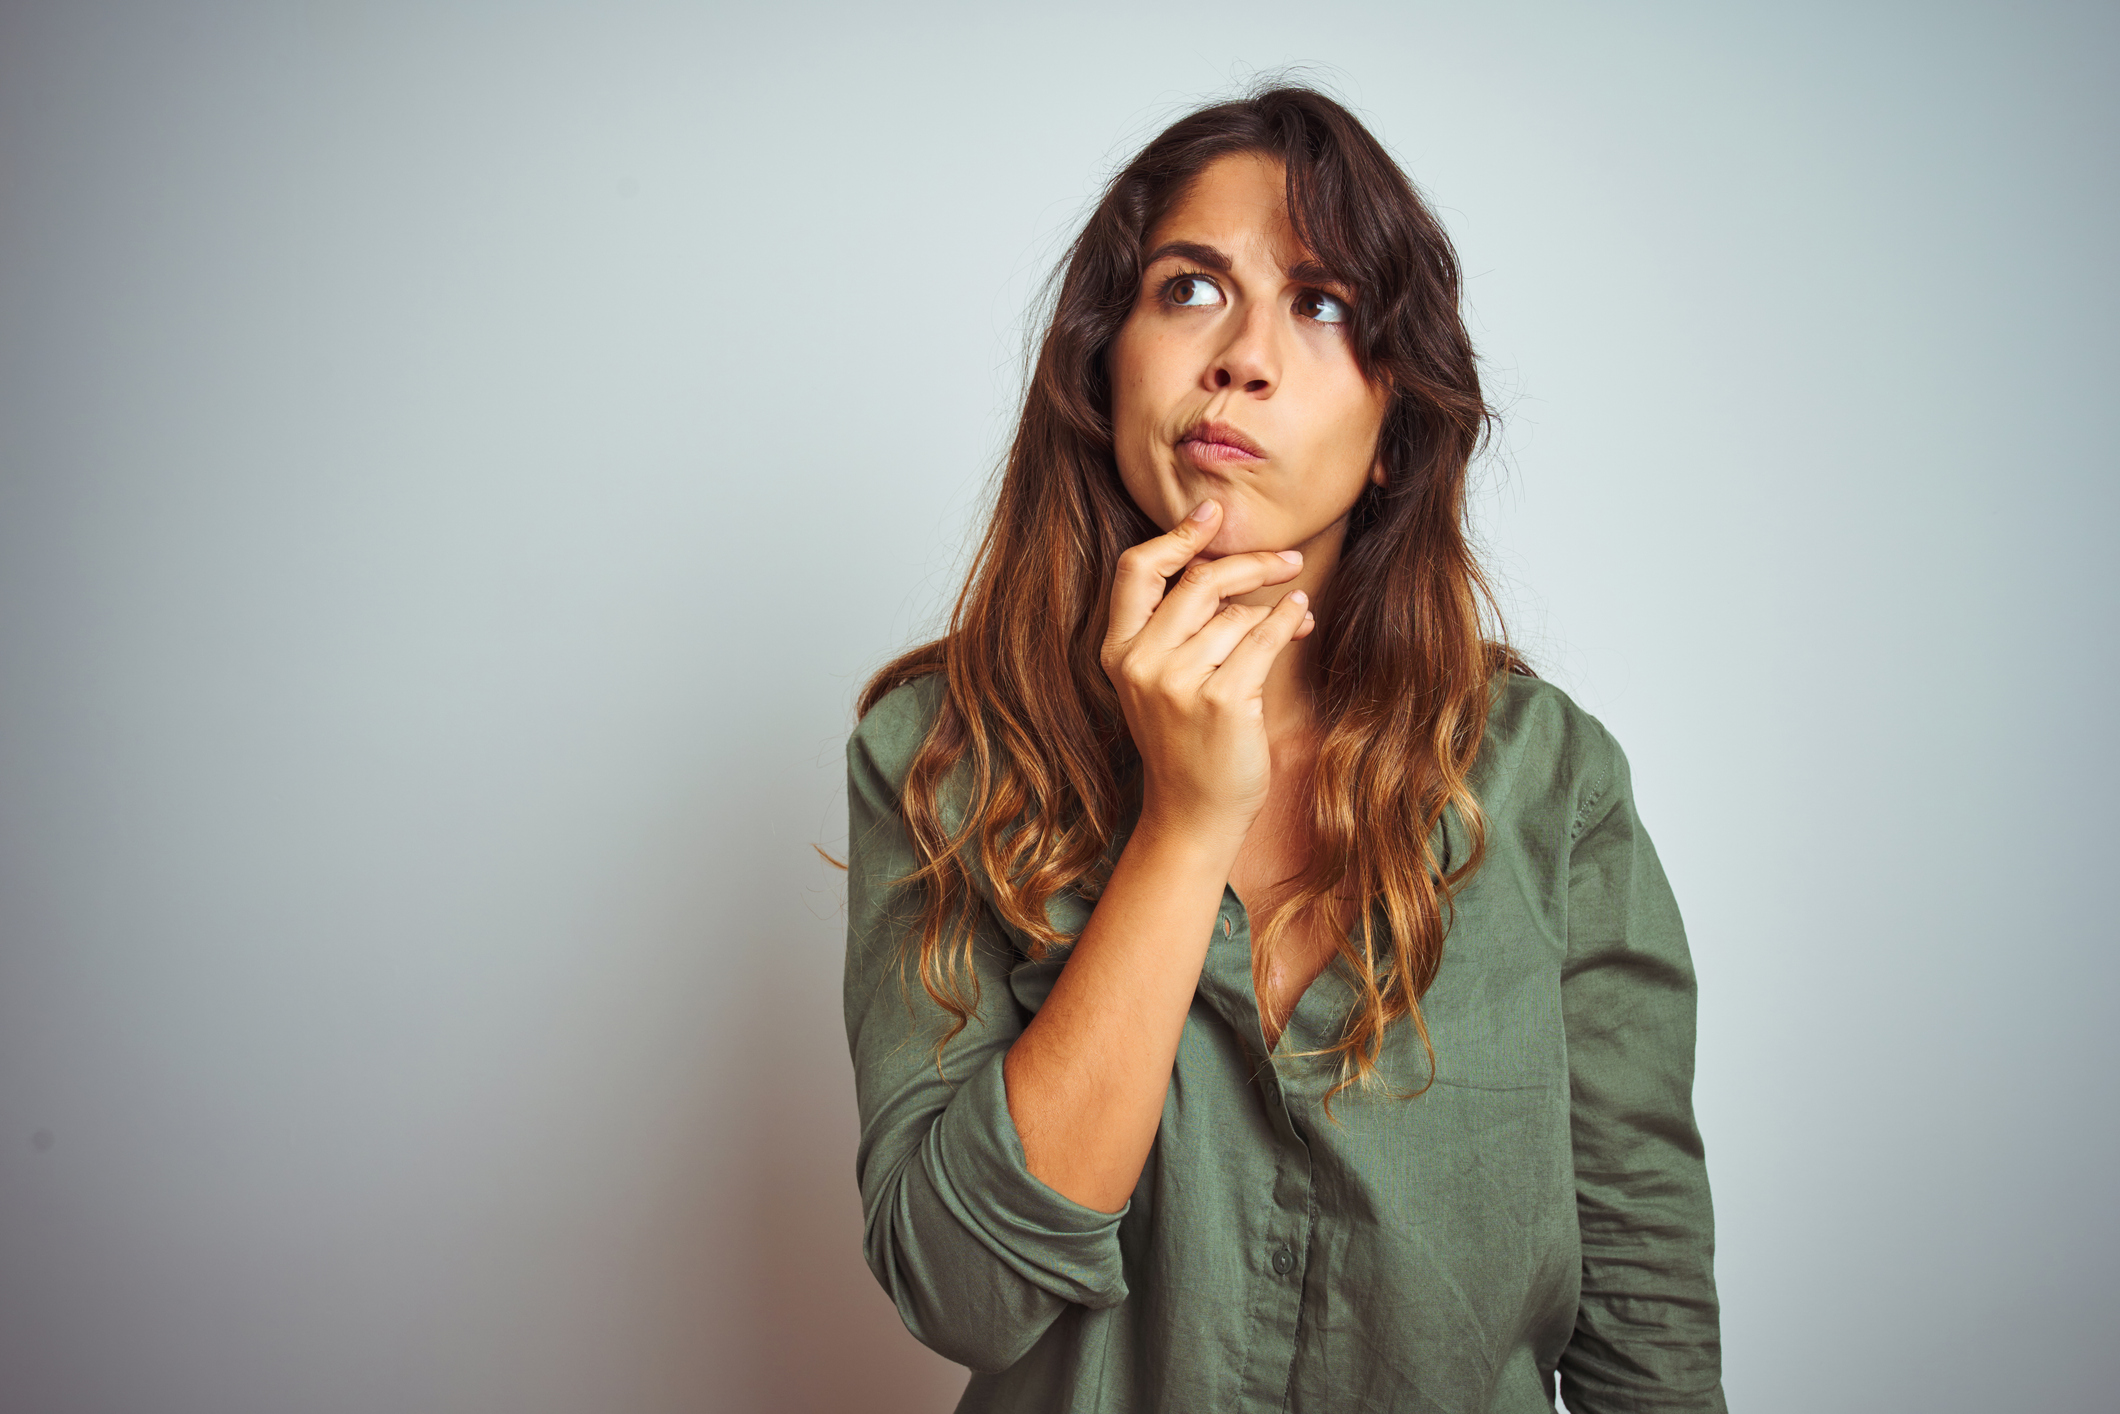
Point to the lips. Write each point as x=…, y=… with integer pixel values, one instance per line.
x=1219, y=444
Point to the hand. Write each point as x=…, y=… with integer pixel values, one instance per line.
x=1191, y=673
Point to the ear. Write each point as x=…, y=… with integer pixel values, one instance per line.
x=1377, y=476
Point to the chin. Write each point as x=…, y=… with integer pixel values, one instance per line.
x=1238, y=532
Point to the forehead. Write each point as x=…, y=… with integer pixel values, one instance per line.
x=1239, y=205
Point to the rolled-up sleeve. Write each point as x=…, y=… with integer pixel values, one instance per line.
x=978, y=1254
x=1647, y=1333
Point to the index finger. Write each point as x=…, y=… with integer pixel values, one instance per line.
x=1144, y=569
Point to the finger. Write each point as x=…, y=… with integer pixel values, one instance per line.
x=1146, y=568
x=1208, y=649
x=1198, y=657
x=1243, y=671
x=1200, y=590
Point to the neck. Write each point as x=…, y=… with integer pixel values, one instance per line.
x=1291, y=712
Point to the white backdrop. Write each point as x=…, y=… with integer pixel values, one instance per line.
x=458, y=463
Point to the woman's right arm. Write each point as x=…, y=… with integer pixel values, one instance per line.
x=977, y=1254
x=1087, y=1079
x=992, y=1199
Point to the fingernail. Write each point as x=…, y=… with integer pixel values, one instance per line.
x=1294, y=557
x=1203, y=510
x=1299, y=596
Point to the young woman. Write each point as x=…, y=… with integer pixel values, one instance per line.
x=1262, y=992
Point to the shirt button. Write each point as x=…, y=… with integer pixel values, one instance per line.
x=1284, y=1260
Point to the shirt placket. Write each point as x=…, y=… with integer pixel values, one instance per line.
x=1276, y=1226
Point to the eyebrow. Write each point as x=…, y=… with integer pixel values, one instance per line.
x=1308, y=272
x=1198, y=254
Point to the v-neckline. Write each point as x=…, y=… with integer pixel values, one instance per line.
x=1272, y=1045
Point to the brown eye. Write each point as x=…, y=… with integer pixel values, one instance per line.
x=1326, y=309
x=1193, y=292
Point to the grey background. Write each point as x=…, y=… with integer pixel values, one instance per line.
x=458, y=463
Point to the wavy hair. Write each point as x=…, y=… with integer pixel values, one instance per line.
x=1401, y=665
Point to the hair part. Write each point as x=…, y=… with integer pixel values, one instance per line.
x=1401, y=662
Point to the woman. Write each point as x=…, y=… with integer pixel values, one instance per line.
x=1193, y=1106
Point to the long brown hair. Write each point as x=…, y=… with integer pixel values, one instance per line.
x=1401, y=667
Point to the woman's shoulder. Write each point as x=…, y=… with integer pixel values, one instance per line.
x=890, y=732
x=1539, y=736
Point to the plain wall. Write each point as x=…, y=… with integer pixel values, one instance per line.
x=459, y=462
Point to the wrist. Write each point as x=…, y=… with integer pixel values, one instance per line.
x=1187, y=840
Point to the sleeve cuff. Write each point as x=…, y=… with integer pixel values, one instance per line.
x=975, y=1161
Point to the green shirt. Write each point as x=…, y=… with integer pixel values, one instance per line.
x=1542, y=1210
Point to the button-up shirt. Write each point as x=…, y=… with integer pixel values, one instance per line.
x=1539, y=1215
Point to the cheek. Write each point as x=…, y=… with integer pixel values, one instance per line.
x=1348, y=444
x=1351, y=407
x=1359, y=413
x=1133, y=408
x=1124, y=371
x=1132, y=367
x=1360, y=428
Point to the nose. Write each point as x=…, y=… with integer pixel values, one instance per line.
x=1249, y=361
